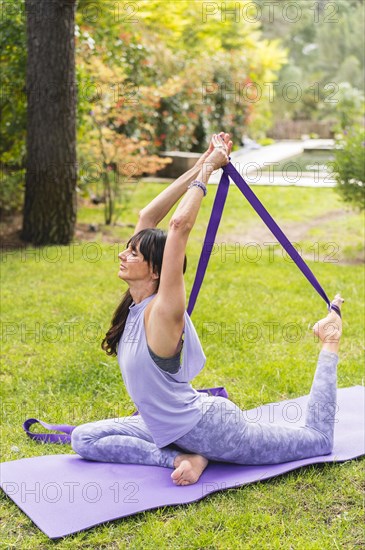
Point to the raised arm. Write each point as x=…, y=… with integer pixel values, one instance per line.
x=166, y=316
x=160, y=206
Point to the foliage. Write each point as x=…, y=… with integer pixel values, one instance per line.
x=225, y=64
x=170, y=93
x=325, y=42
x=266, y=141
x=200, y=73
x=108, y=157
x=11, y=189
x=162, y=76
x=12, y=106
x=349, y=108
x=349, y=167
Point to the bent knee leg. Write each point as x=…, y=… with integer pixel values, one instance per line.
x=315, y=443
x=81, y=439
x=327, y=445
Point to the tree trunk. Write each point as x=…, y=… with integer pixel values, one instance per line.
x=51, y=171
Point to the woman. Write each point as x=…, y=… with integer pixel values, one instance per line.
x=159, y=353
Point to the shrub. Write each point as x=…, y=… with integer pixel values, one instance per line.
x=11, y=190
x=266, y=141
x=349, y=167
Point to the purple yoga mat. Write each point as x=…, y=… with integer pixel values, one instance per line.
x=63, y=494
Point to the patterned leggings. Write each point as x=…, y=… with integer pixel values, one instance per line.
x=222, y=433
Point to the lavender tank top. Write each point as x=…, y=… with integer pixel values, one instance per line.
x=167, y=402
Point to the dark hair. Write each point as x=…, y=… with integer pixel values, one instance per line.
x=151, y=246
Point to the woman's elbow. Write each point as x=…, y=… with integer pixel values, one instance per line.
x=145, y=220
x=180, y=223
x=142, y=214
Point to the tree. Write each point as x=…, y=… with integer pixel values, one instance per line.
x=50, y=193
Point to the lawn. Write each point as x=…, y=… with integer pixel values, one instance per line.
x=57, y=303
x=305, y=162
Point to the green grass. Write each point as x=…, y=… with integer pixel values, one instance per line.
x=57, y=303
x=306, y=162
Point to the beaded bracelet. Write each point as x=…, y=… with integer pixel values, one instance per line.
x=197, y=183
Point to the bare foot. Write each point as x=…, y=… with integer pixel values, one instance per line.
x=329, y=329
x=189, y=468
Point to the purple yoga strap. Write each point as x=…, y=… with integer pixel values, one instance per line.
x=230, y=171
x=212, y=228
x=65, y=437
x=49, y=438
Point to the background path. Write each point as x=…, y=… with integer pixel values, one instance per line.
x=250, y=163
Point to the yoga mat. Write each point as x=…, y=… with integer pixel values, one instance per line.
x=63, y=494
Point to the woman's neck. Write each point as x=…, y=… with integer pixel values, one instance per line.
x=140, y=293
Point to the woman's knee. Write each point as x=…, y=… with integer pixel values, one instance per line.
x=80, y=437
x=327, y=445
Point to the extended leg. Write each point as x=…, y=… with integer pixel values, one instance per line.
x=124, y=440
x=272, y=444
x=224, y=434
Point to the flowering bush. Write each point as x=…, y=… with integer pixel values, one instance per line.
x=189, y=80
x=161, y=80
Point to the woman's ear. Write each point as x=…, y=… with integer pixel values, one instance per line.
x=154, y=274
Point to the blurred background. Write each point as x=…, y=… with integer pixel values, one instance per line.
x=98, y=95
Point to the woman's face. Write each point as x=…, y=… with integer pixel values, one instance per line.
x=133, y=266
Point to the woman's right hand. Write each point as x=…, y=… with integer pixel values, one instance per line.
x=222, y=148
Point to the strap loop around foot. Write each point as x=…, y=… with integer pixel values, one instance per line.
x=335, y=308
